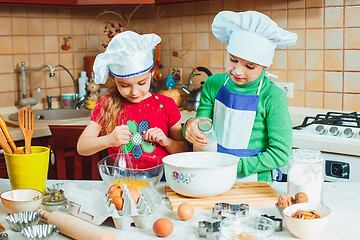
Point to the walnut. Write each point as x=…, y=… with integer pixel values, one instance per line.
x=301, y=197
x=285, y=200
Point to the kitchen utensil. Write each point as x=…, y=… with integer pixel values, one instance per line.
x=21, y=200
x=200, y=174
x=2, y=229
x=240, y=227
x=4, y=144
x=75, y=227
x=40, y=232
x=278, y=222
x=255, y=194
x=142, y=177
x=193, y=100
x=21, y=220
x=27, y=122
x=28, y=170
x=304, y=228
x=6, y=132
x=222, y=210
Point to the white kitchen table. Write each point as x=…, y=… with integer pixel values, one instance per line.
x=341, y=197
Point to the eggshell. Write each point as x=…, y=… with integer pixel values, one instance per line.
x=118, y=202
x=113, y=188
x=117, y=193
x=185, y=211
x=163, y=227
x=134, y=193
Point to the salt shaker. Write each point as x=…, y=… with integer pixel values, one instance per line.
x=306, y=174
x=205, y=126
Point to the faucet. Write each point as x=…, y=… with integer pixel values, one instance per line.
x=78, y=101
x=25, y=101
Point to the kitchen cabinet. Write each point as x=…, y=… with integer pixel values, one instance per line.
x=92, y=2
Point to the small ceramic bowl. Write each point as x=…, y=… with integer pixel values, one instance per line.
x=40, y=232
x=18, y=221
x=303, y=228
x=21, y=200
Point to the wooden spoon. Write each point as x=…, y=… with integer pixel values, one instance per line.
x=27, y=122
x=4, y=144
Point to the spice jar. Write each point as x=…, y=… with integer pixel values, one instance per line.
x=205, y=126
x=306, y=174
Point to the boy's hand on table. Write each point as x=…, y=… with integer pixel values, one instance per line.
x=193, y=134
x=120, y=135
x=157, y=135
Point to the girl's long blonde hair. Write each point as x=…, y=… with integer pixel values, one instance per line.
x=110, y=109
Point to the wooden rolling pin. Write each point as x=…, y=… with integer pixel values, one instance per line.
x=76, y=228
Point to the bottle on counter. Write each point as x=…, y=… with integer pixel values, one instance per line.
x=306, y=174
x=170, y=82
x=76, y=228
x=205, y=126
x=82, y=84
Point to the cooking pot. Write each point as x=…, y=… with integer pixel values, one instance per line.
x=193, y=100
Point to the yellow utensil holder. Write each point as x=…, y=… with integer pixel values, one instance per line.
x=28, y=170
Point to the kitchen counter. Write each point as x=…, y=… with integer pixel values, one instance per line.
x=341, y=225
x=41, y=128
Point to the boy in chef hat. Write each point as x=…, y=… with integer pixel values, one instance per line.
x=249, y=112
x=146, y=125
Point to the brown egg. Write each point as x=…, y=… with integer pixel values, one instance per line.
x=117, y=193
x=134, y=193
x=185, y=211
x=113, y=188
x=118, y=202
x=163, y=227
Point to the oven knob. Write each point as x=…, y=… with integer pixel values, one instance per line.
x=334, y=131
x=320, y=129
x=348, y=132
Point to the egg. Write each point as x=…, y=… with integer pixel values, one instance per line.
x=185, y=211
x=134, y=193
x=116, y=193
x=113, y=188
x=163, y=227
x=118, y=202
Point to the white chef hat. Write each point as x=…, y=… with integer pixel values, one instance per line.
x=128, y=54
x=251, y=35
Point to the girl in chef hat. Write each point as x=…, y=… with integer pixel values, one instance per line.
x=144, y=124
x=249, y=112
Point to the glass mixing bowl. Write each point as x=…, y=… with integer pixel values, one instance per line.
x=123, y=169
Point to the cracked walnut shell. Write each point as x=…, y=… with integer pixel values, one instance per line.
x=285, y=200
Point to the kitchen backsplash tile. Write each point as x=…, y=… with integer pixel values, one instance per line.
x=323, y=64
x=333, y=100
x=333, y=82
x=334, y=38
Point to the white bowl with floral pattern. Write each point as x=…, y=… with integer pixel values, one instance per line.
x=200, y=174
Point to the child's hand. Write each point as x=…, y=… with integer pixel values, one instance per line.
x=157, y=135
x=192, y=133
x=120, y=135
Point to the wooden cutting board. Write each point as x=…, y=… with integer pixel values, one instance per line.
x=255, y=194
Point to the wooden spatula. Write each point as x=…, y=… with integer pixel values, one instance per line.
x=8, y=137
x=27, y=122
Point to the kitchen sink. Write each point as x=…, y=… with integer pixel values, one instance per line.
x=56, y=114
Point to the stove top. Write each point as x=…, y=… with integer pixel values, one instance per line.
x=333, y=118
x=334, y=132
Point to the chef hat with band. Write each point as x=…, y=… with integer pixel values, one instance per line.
x=251, y=35
x=128, y=54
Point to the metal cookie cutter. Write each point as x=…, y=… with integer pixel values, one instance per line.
x=222, y=210
x=278, y=222
x=210, y=230
x=3, y=236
